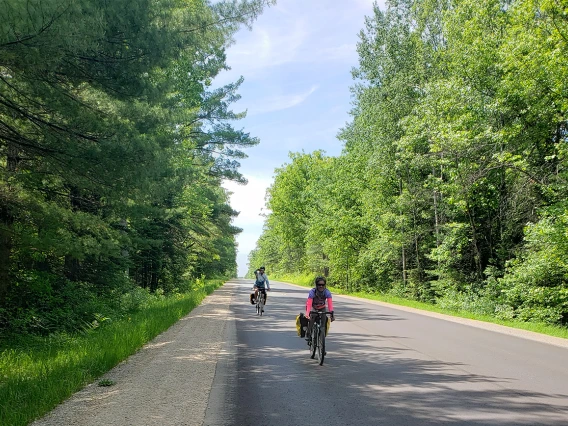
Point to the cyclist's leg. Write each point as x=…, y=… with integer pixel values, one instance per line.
x=265, y=295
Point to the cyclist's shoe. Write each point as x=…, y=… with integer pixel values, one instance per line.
x=262, y=310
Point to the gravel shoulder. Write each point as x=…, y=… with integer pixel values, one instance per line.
x=168, y=382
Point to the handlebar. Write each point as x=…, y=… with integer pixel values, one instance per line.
x=321, y=312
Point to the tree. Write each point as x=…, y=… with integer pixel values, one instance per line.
x=114, y=146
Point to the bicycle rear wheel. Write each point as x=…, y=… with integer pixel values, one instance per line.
x=321, y=347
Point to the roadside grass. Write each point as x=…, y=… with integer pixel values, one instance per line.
x=38, y=374
x=537, y=327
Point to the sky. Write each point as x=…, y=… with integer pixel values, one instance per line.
x=296, y=63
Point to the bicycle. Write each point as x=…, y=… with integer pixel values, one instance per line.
x=318, y=335
x=260, y=302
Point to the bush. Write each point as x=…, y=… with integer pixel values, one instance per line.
x=134, y=300
x=535, y=285
x=46, y=304
x=466, y=301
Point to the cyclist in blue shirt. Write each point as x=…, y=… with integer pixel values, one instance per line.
x=261, y=284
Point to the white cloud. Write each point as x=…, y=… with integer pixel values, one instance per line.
x=268, y=46
x=249, y=201
x=343, y=52
x=366, y=4
x=280, y=102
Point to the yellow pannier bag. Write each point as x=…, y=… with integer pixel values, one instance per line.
x=301, y=322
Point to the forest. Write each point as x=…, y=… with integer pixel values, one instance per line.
x=114, y=143
x=452, y=184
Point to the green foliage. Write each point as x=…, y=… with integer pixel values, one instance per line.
x=457, y=142
x=285, y=242
x=534, y=288
x=113, y=147
x=39, y=373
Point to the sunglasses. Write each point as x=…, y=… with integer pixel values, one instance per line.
x=320, y=285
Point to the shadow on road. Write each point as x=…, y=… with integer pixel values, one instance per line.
x=367, y=379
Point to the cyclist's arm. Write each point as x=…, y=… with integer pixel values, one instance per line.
x=330, y=304
x=309, y=304
x=267, y=284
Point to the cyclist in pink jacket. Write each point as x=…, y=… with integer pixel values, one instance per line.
x=317, y=299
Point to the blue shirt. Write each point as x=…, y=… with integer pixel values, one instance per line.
x=319, y=301
x=262, y=279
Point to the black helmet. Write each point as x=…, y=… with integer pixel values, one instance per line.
x=261, y=268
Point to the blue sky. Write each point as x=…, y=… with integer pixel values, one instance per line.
x=296, y=63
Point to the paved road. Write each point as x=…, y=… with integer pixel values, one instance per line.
x=384, y=367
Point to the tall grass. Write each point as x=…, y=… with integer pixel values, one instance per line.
x=306, y=280
x=550, y=330
x=37, y=374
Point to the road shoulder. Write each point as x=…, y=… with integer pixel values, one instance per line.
x=168, y=382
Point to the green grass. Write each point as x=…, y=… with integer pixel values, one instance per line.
x=550, y=330
x=37, y=374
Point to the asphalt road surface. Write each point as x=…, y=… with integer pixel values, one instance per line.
x=383, y=366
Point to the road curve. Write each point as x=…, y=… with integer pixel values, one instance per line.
x=384, y=366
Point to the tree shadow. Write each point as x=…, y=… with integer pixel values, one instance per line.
x=367, y=379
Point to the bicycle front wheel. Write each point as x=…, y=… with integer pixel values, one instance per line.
x=313, y=348
x=321, y=347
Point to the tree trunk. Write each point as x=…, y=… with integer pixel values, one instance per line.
x=403, y=266
x=72, y=268
x=476, y=252
x=416, y=236
x=436, y=219
x=6, y=222
x=402, y=231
